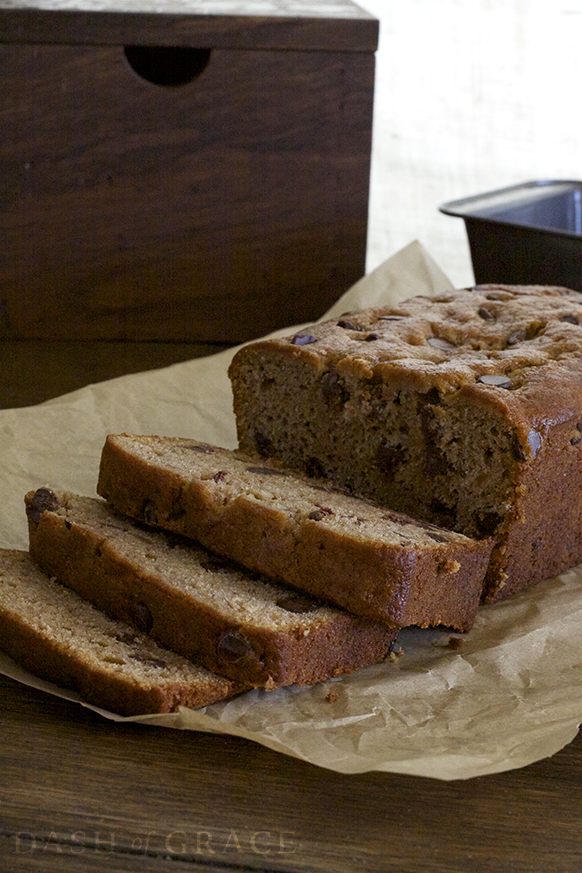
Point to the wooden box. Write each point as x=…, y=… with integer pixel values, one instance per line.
x=183, y=171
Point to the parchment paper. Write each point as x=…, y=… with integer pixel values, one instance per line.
x=508, y=695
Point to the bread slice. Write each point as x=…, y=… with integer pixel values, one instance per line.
x=229, y=621
x=60, y=637
x=307, y=534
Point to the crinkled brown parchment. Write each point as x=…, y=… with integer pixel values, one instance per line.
x=508, y=694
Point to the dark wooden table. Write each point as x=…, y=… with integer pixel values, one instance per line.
x=80, y=793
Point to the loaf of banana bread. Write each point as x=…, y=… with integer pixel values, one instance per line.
x=371, y=561
x=60, y=637
x=464, y=410
x=231, y=622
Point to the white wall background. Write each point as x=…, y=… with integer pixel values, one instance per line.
x=471, y=95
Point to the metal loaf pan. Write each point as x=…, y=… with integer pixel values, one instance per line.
x=527, y=234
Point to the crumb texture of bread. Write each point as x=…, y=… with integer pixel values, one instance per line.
x=464, y=410
x=306, y=533
x=231, y=622
x=60, y=637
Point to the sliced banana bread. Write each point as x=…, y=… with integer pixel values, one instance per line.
x=60, y=637
x=231, y=622
x=307, y=534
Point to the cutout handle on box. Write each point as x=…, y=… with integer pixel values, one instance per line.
x=168, y=66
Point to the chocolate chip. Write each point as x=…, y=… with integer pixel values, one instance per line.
x=518, y=336
x=572, y=319
x=347, y=325
x=303, y=339
x=220, y=476
x=142, y=618
x=314, y=468
x=234, y=647
x=263, y=444
x=496, y=380
x=388, y=458
x=320, y=513
x=333, y=389
x=371, y=337
x=576, y=440
x=437, y=343
x=485, y=314
x=433, y=397
x=42, y=500
x=298, y=604
x=150, y=513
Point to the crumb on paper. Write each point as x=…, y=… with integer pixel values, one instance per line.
x=455, y=642
x=395, y=654
x=332, y=696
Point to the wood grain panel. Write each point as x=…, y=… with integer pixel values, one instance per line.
x=33, y=371
x=214, y=211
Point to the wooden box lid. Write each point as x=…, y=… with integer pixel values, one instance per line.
x=321, y=25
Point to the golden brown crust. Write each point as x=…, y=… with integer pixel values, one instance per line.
x=229, y=622
x=509, y=359
x=320, y=540
x=530, y=335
